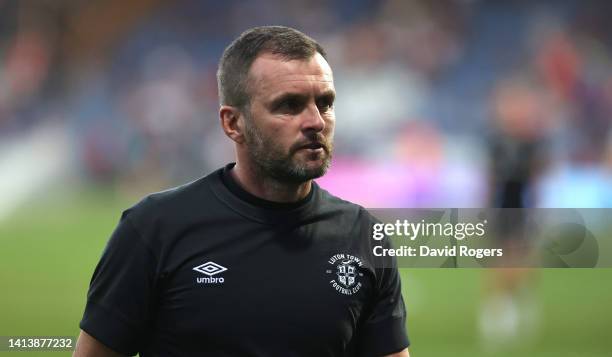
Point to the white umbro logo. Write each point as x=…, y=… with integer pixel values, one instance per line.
x=210, y=269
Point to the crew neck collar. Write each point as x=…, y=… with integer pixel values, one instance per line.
x=229, y=191
x=230, y=182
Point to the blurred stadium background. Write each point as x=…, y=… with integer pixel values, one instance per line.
x=104, y=101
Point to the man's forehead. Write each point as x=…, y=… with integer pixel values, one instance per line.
x=269, y=71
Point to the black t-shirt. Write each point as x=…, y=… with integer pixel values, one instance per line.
x=207, y=269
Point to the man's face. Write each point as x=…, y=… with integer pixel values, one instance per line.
x=289, y=126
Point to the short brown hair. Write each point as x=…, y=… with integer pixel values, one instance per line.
x=232, y=75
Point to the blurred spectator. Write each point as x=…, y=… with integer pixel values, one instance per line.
x=134, y=84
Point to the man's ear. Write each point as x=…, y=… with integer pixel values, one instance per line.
x=232, y=122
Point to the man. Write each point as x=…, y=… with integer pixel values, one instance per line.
x=254, y=259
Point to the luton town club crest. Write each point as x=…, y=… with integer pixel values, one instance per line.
x=345, y=278
x=346, y=273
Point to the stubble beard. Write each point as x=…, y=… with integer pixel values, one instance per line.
x=270, y=160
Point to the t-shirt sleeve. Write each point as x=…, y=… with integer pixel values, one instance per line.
x=121, y=291
x=384, y=330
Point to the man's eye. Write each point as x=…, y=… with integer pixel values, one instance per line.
x=325, y=105
x=290, y=106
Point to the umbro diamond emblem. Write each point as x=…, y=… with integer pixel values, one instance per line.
x=210, y=269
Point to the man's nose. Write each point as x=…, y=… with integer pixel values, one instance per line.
x=312, y=119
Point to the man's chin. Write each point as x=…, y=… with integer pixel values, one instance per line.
x=302, y=172
x=297, y=170
x=314, y=169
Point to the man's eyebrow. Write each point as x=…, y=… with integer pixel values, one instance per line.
x=331, y=94
x=328, y=94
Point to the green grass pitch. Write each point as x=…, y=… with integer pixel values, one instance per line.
x=49, y=248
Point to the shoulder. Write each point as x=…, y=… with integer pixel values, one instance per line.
x=173, y=207
x=330, y=202
x=164, y=202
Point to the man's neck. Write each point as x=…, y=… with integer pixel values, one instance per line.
x=268, y=188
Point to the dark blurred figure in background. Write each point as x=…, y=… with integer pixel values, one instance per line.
x=518, y=154
x=519, y=143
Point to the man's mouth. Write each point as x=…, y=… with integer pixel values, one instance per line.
x=313, y=146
